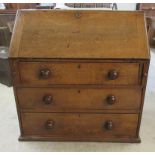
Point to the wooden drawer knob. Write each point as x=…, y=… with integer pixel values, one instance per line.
x=44, y=73
x=49, y=124
x=108, y=125
x=111, y=99
x=48, y=99
x=112, y=75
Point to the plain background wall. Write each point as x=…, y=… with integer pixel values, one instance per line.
x=126, y=6
x=121, y=6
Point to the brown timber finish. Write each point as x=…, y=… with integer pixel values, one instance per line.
x=79, y=75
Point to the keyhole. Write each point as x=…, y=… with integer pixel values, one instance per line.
x=77, y=14
x=79, y=66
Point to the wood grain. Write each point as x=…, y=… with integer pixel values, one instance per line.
x=78, y=73
x=94, y=34
x=79, y=125
x=71, y=99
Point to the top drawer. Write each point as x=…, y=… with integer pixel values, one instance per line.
x=48, y=73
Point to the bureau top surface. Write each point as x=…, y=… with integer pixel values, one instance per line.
x=88, y=34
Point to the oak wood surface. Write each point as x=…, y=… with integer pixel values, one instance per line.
x=79, y=34
x=72, y=99
x=79, y=125
x=78, y=73
x=81, y=139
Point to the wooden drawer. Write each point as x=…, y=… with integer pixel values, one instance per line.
x=74, y=99
x=48, y=73
x=79, y=126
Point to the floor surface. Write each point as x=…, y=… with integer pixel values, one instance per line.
x=9, y=130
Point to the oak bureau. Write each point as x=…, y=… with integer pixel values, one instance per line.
x=79, y=75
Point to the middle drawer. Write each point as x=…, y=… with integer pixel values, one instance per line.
x=74, y=99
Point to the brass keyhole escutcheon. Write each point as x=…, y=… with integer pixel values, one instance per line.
x=77, y=14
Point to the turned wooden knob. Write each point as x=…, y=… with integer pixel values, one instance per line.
x=47, y=99
x=108, y=125
x=49, y=124
x=44, y=73
x=112, y=74
x=111, y=99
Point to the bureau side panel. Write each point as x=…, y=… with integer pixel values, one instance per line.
x=15, y=80
x=144, y=77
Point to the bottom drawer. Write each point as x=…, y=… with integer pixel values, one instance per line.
x=99, y=127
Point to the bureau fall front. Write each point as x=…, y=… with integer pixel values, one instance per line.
x=79, y=75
